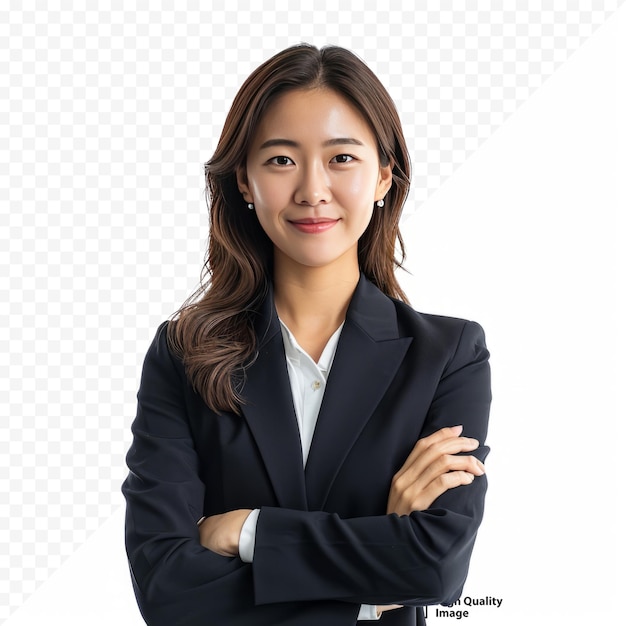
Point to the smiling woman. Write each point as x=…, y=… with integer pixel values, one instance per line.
x=307, y=448
x=302, y=183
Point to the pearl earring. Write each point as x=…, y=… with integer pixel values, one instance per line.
x=380, y=204
x=251, y=206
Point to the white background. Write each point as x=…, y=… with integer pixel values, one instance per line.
x=514, y=117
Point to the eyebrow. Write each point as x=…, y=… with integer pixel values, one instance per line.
x=338, y=141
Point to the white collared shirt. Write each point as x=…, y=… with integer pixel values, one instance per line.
x=308, y=383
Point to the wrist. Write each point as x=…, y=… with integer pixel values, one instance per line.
x=236, y=523
x=220, y=533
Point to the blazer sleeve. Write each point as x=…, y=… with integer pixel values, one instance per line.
x=419, y=559
x=176, y=580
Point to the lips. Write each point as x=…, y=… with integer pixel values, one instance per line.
x=314, y=225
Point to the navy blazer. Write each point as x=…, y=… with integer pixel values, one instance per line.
x=324, y=544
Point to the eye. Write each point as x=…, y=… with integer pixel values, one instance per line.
x=342, y=158
x=281, y=160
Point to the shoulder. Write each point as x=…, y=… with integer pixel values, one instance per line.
x=434, y=327
x=160, y=343
x=453, y=340
x=384, y=318
x=160, y=354
x=435, y=339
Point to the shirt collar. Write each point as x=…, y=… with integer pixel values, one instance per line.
x=294, y=352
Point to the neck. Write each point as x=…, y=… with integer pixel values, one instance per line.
x=314, y=298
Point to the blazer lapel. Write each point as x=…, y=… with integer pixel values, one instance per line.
x=270, y=414
x=368, y=356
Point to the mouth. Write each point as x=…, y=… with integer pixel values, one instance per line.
x=312, y=225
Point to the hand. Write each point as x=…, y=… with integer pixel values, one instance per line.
x=387, y=607
x=431, y=469
x=220, y=533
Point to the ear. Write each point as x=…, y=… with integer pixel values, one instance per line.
x=385, y=179
x=242, y=184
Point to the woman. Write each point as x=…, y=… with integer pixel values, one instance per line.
x=297, y=455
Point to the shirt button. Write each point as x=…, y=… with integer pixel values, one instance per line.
x=315, y=385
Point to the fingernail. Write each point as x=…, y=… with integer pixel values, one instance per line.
x=482, y=467
x=457, y=430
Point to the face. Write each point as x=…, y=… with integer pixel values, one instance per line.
x=313, y=175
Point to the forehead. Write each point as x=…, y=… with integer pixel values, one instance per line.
x=315, y=114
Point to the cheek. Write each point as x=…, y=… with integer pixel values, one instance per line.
x=360, y=185
x=267, y=193
x=266, y=218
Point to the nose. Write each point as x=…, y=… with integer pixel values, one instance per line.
x=313, y=187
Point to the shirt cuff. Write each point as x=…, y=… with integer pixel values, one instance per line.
x=368, y=613
x=248, y=536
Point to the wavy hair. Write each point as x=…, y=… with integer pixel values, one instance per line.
x=214, y=331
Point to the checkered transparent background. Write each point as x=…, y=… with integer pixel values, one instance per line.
x=107, y=116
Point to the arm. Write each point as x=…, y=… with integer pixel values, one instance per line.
x=432, y=468
x=177, y=580
x=420, y=558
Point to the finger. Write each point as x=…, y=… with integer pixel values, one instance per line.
x=387, y=607
x=449, y=433
x=448, y=481
x=421, y=458
x=416, y=480
x=451, y=463
x=439, y=486
x=419, y=499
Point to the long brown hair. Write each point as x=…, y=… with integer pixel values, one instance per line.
x=214, y=333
